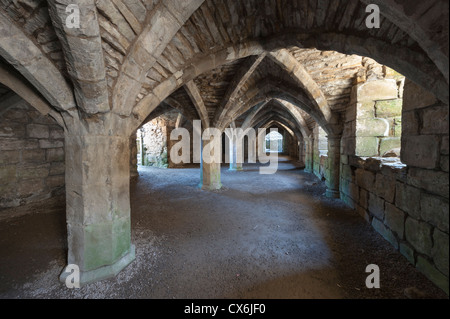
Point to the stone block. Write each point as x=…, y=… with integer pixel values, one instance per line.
x=385, y=232
x=37, y=131
x=366, y=146
x=56, y=132
x=415, y=97
x=30, y=187
x=376, y=206
x=440, y=251
x=390, y=143
x=430, y=271
x=34, y=172
x=57, y=168
x=378, y=90
x=372, y=127
x=395, y=220
x=7, y=174
x=55, y=181
x=12, y=129
x=363, y=198
x=418, y=234
x=33, y=156
x=9, y=157
x=365, y=179
x=12, y=144
x=55, y=154
x=385, y=187
x=444, y=163
x=410, y=123
x=435, y=182
x=420, y=151
x=435, y=120
x=388, y=108
x=407, y=198
x=407, y=251
x=51, y=144
x=445, y=145
x=435, y=210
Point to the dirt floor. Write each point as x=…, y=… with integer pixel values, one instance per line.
x=262, y=236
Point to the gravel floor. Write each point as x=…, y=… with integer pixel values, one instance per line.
x=261, y=236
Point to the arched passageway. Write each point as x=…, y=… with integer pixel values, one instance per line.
x=315, y=69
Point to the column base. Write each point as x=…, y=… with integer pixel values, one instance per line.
x=212, y=187
x=105, y=272
x=237, y=169
x=332, y=193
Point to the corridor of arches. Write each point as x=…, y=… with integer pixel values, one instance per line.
x=90, y=115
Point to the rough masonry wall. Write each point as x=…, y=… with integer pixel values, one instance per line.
x=31, y=156
x=407, y=202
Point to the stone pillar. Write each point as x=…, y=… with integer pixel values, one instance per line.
x=309, y=143
x=98, y=205
x=133, y=156
x=234, y=165
x=210, y=172
x=332, y=175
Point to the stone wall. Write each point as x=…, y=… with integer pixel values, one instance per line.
x=154, y=135
x=407, y=201
x=31, y=156
x=373, y=119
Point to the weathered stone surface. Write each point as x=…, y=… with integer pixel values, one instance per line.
x=37, y=131
x=366, y=146
x=365, y=179
x=8, y=173
x=372, y=127
x=418, y=234
x=388, y=108
x=9, y=157
x=385, y=187
x=440, y=251
x=444, y=163
x=407, y=198
x=435, y=210
x=408, y=252
x=432, y=273
x=11, y=144
x=378, y=90
x=50, y=144
x=410, y=123
x=33, y=172
x=420, y=151
x=435, y=182
x=385, y=232
x=57, y=168
x=364, y=198
x=395, y=220
x=33, y=156
x=435, y=120
x=389, y=144
x=416, y=97
x=55, y=154
x=376, y=206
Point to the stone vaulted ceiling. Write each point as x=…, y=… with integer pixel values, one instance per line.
x=219, y=60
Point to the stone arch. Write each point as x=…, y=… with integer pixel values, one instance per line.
x=414, y=66
x=22, y=53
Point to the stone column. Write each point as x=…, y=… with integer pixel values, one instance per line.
x=334, y=158
x=234, y=165
x=133, y=156
x=210, y=173
x=98, y=205
x=309, y=143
